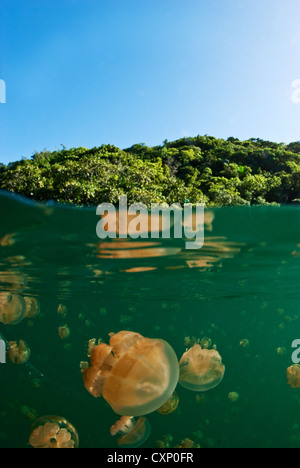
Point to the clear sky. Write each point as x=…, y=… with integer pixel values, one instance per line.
x=88, y=72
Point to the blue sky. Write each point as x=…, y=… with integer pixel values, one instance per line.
x=88, y=72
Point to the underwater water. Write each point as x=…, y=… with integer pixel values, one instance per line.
x=241, y=290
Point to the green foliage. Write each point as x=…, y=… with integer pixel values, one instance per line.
x=200, y=169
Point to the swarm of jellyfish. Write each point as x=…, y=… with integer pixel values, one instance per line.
x=14, y=308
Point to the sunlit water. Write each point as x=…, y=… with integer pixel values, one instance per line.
x=242, y=285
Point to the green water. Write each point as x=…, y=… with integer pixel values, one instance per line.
x=243, y=284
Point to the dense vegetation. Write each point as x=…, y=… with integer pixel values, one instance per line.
x=200, y=169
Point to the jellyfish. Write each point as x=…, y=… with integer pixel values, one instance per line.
x=53, y=432
x=36, y=383
x=205, y=342
x=8, y=240
x=233, y=397
x=12, y=308
x=187, y=443
x=62, y=310
x=201, y=399
x=28, y=413
x=190, y=341
x=133, y=433
x=18, y=352
x=244, y=343
x=281, y=351
x=135, y=375
x=165, y=441
x=64, y=332
x=201, y=369
x=32, y=307
x=293, y=376
x=170, y=405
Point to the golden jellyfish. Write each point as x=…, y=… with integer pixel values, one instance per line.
x=201, y=399
x=28, y=413
x=18, y=352
x=281, y=351
x=133, y=433
x=165, y=441
x=12, y=308
x=53, y=432
x=190, y=341
x=135, y=375
x=233, y=397
x=187, y=443
x=170, y=406
x=32, y=307
x=8, y=240
x=293, y=376
x=201, y=369
x=244, y=343
x=205, y=343
x=36, y=383
x=64, y=332
x=62, y=310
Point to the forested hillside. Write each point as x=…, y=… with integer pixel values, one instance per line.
x=200, y=169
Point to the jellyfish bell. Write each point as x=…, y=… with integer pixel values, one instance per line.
x=187, y=443
x=170, y=406
x=293, y=376
x=28, y=413
x=18, y=352
x=64, y=332
x=201, y=369
x=244, y=343
x=8, y=240
x=53, y=432
x=135, y=375
x=124, y=340
x=32, y=307
x=62, y=310
x=165, y=441
x=12, y=308
x=133, y=432
x=233, y=397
